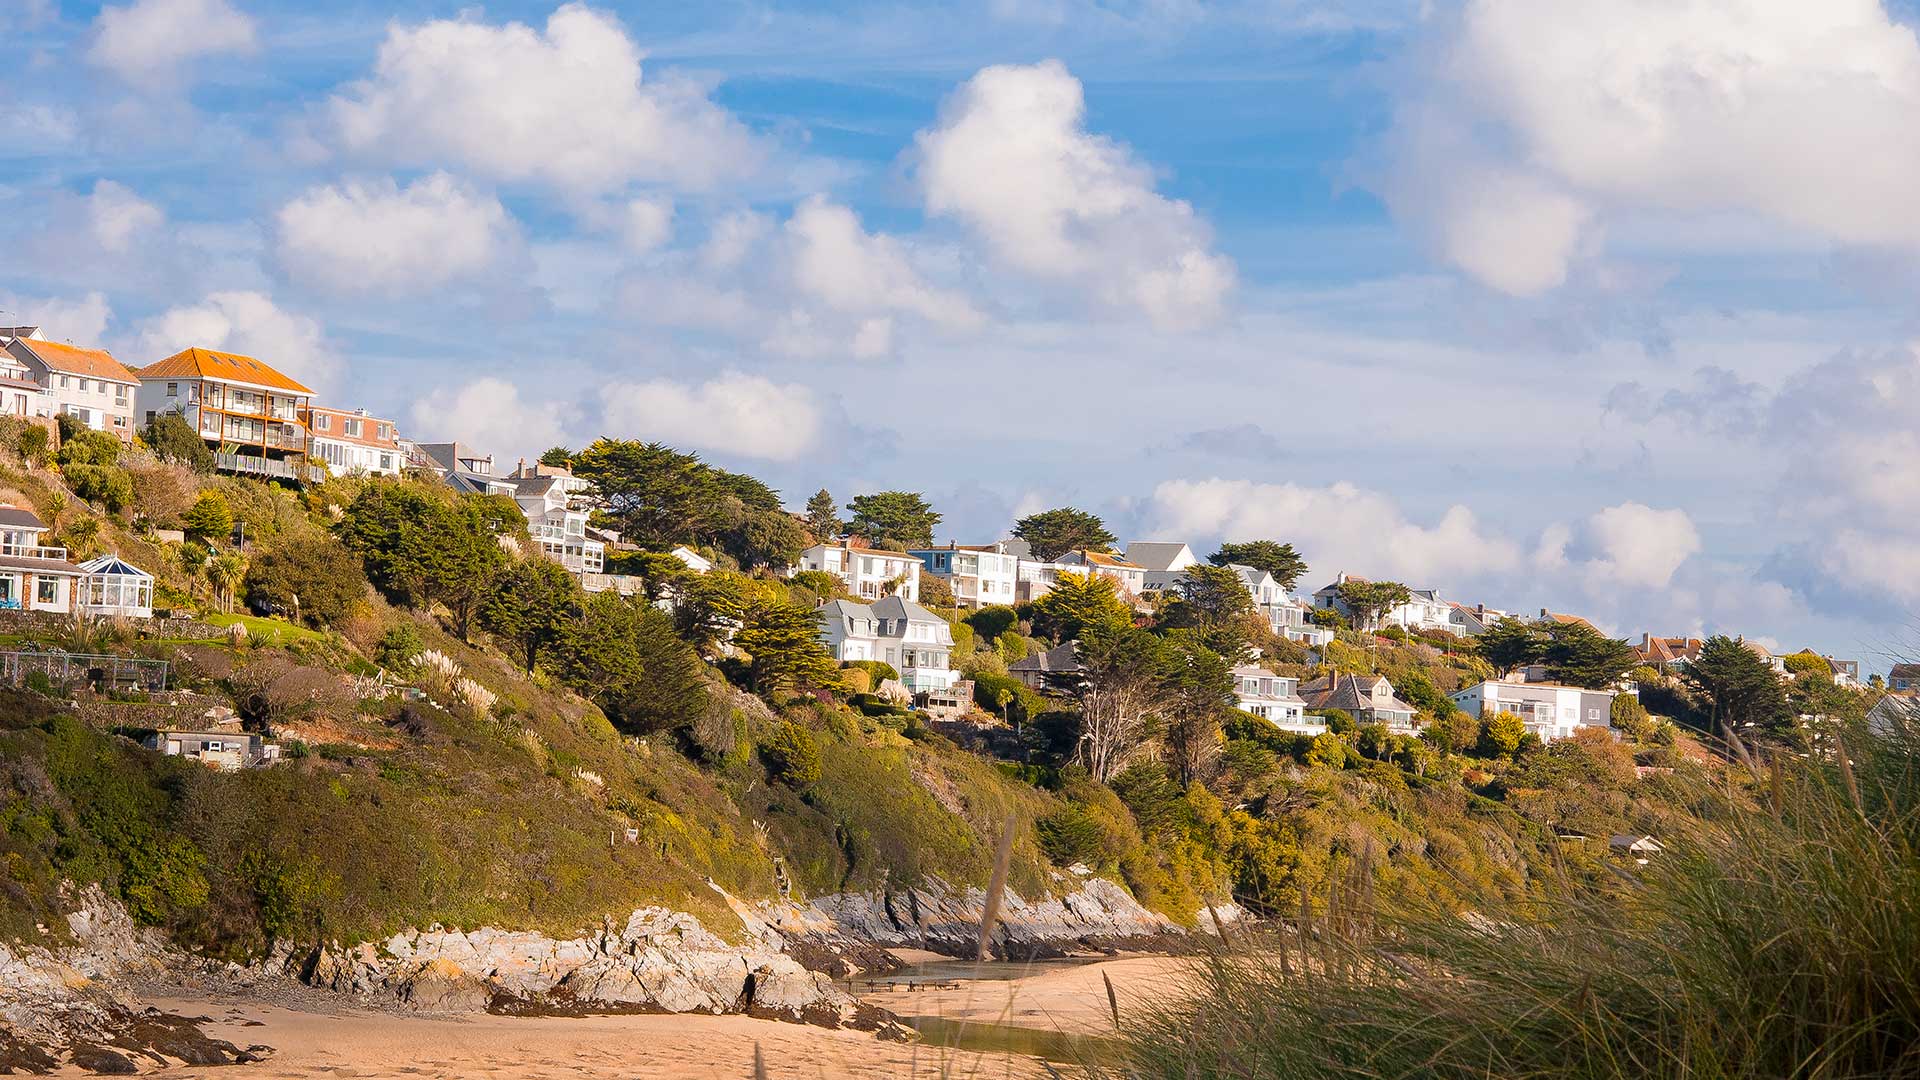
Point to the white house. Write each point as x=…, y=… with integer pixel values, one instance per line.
x=466, y=470
x=351, y=442
x=33, y=577
x=1132, y=578
x=252, y=415
x=46, y=378
x=866, y=572
x=694, y=561
x=1424, y=609
x=557, y=521
x=916, y=642
x=1274, y=698
x=1165, y=562
x=112, y=587
x=1550, y=710
x=979, y=575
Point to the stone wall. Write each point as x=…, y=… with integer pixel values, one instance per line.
x=55, y=624
x=175, y=710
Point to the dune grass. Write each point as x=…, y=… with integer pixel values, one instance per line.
x=1777, y=936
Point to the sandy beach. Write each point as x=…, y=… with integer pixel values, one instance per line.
x=339, y=1042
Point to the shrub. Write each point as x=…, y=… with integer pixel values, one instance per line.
x=398, y=648
x=106, y=486
x=1501, y=734
x=818, y=582
x=879, y=670
x=309, y=573
x=209, y=518
x=1071, y=835
x=792, y=754
x=857, y=680
x=171, y=438
x=89, y=448
x=992, y=621
x=35, y=444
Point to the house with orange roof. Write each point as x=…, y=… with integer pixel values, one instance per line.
x=350, y=441
x=251, y=414
x=1132, y=577
x=49, y=378
x=1667, y=653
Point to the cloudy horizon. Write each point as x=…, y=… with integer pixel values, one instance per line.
x=1605, y=307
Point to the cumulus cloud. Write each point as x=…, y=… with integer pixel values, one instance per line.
x=1634, y=544
x=249, y=323
x=116, y=216
x=374, y=236
x=491, y=414
x=1012, y=161
x=832, y=259
x=152, y=41
x=646, y=223
x=1534, y=123
x=82, y=321
x=734, y=413
x=565, y=107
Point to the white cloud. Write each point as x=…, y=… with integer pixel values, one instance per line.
x=375, y=236
x=248, y=323
x=647, y=223
x=117, y=216
x=1634, y=544
x=1534, y=123
x=565, y=107
x=83, y=321
x=1338, y=527
x=1012, y=160
x=849, y=269
x=489, y=413
x=733, y=413
x=151, y=41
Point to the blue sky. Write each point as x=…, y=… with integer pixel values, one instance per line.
x=1596, y=305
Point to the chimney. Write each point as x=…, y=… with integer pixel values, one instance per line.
x=520, y=469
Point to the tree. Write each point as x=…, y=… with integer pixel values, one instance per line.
x=900, y=519
x=765, y=538
x=783, y=639
x=1214, y=601
x=1808, y=663
x=1512, y=643
x=1118, y=686
x=81, y=535
x=532, y=604
x=1501, y=733
x=1052, y=533
x=419, y=547
x=823, y=517
x=1579, y=655
x=1077, y=603
x=1196, y=685
x=793, y=755
x=35, y=444
x=1744, y=690
x=106, y=486
x=89, y=448
x=306, y=574
x=1280, y=560
x=623, y=656
x=161, y=492
x=225, y=573
x=209, y=518
x=1370, y=600
x=706, y=607
x=654, y=494
x=935, y=592
x=558, y=457
x=172, y=439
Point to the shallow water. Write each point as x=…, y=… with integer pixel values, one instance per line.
x=946, y=971
x=994, y=1038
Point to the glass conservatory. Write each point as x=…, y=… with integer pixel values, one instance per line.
x=110, y=587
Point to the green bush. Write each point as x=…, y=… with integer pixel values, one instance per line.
x=992, y=621
x=1071, y=835
x=398, y=647
x=792, y=753
x=105, y=486
x=879, y=670
x=34, y=444
x=310, y=573
x=89, y=448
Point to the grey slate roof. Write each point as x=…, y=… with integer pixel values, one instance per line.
x=1058, y=658
x=14, y=517
x=1154, y=554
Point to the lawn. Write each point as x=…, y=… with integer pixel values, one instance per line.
x=267, y=631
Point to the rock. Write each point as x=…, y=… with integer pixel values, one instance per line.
x=440, y=985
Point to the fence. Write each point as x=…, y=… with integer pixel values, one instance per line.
x=107, y=673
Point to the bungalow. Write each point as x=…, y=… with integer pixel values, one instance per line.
x=1033, y=671
x=221, y=749
x=352, y=442
x=866, y=572
x=1131, y=577
x=978, y=574
x=1165, y=562
x=1274, y=698
x=1904, y=678
x=916, y=642
x=1550, y=710
x=33, y=577
x=46, y=378
x=252, y=415
x=1369, y=699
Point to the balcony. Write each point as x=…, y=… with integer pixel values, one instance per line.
x=28, y=551
x=271, y=468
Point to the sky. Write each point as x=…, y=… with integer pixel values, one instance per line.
x=1602, y=306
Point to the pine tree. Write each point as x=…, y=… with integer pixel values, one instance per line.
x=823, y=517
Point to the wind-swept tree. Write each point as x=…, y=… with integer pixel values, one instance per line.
x=902, y=519
x=823, y=517
x=1214, y=603
x=1052, y=533
x=1078, y=602
x=1579, y=655
x=1118, y=687
x=532, y=604
x=1196, y=691
x=1278, y=559
x=1512, y=643
x=783, y=639
x=1370, y=600
x=1745, y=691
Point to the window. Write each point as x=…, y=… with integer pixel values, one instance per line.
x=83, y=386
x=63, y=382
x=386, y=462
x=46, y=590
x=384, y=432
x=322, y=422
x=149, y=416
x=353, y=429
x=119, y=395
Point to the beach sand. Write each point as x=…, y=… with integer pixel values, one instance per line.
x=337, y=1042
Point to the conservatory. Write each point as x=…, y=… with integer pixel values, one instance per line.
x=109, y=587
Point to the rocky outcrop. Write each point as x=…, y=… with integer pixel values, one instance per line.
x=1093, y=915
x=56, y=1008
x=659, y=961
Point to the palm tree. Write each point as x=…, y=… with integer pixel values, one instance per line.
x=82, y=535
x=225, y=572
x=57, y=508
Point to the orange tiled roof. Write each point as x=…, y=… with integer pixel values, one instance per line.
x=1095, y=558
x=231, y=367
x=94, y=363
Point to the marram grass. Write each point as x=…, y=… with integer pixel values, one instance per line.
x=1778, y=936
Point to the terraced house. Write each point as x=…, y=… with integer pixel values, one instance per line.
x=252, y=415
x=46, y=378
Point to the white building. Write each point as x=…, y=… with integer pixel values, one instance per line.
x=978, y=574
x=352, y=442
x=1131, y=578
x=557, y=521
x=252, y=415
x=1424, y=609
x=916, y=642
x=1165, y=562
x=1274, y=698
x=1550, y=710
x=866, y=573
x=111, y=587
x=33, y=577
x=46, y=378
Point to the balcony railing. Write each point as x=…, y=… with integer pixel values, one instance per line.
x=28, y=551
x=274, y=468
